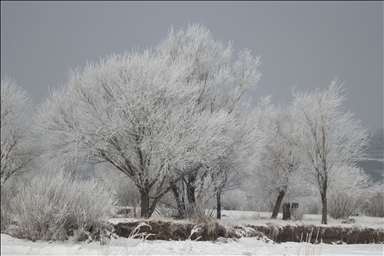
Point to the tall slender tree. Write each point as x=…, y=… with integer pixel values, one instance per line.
x=330, y=138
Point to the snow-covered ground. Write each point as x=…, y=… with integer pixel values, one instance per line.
x=124, y=246
x=261, y=218
x=244, y=246
x=237, y=218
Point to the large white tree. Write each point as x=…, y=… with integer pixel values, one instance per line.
x=132, y=112
x=330, y=138
x=221, y=86
x=15, y=128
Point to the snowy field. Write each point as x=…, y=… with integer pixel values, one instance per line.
x=124, y=246
x=260, y=218
x=244, y=246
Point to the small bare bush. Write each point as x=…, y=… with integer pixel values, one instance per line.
x=375, y=208
x=349, y=197
x=52, y=206
x=342, y=205
x=203, y=210
x=201, y=214
x=8, y=191
x=234, y=200
x=298, y=213
x=6, y=214
x=313, y=207
x=165, y=212
x=126, y=192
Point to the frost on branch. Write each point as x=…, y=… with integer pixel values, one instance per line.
x=220, y=87
x=15, y=125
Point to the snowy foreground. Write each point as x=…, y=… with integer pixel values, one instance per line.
x=244, y=246
x=124, y=246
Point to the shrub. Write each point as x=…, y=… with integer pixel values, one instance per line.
x=52, y=206
x=314, y=206
x=8, y=191
x=127, y=193
x=298, y=213
x=6, y=214
x=234, y=199
x=375, y=208
x=349, y=197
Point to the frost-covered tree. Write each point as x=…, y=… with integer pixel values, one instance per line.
x=15, y=128
x=329, y=137
x=242, y=156
x=132, y=112
x=220, y=86
x=280, y=162
x=219, y=83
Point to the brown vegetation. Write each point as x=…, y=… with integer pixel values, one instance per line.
x=211, y=231
x=313, y=234
x=172, y=230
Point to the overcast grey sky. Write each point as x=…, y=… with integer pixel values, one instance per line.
x=305, y=44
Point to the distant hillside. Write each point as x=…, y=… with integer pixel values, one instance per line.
x=374, y=165
x=374, y=168
x=376, y=146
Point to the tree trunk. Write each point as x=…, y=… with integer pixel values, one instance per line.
x=287, y=211
x=277, y=205
x=218, y=200
x=144, y=204
x=190, y=187
x=324, y=212
x=191, y=192
x=180, y=205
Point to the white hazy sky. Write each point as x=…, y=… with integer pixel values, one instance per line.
x=305, y=44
